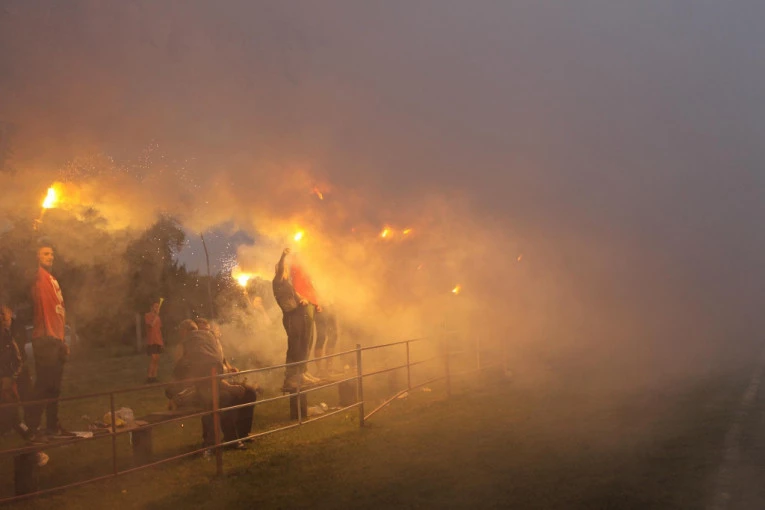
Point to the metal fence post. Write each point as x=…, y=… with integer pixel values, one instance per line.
x=408, y=369
x=216, y=422
x=360, y=385
x=138, y=335
x=114, y=432
x=299, y=396
x=477, y=352
x=447, y=355
x=505, y=361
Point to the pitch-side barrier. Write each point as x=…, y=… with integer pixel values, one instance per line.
x=472, y=359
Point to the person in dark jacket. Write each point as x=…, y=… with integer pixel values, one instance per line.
x=11, y=363
x=198, y=354
x=10, y=367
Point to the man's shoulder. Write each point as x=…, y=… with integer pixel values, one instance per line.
x=201, y=336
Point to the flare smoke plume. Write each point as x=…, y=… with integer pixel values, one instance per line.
x=585, y=174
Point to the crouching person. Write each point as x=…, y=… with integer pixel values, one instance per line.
x=197, y=354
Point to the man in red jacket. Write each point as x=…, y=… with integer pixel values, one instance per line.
x=303, y=285
x=50, y=349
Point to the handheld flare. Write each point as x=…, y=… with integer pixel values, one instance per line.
x=51, y=199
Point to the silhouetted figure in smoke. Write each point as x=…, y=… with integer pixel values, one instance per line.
x=50, y=349
x=297, y=318
x=155, y=345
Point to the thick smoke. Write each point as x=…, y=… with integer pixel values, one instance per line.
x=585, y=174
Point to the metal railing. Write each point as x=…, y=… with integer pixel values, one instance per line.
x=300, y=391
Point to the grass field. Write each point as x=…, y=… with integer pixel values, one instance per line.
x=490, y=445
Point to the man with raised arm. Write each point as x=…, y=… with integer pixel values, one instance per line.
x=297, y=318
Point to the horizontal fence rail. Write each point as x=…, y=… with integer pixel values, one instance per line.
x=498, y=360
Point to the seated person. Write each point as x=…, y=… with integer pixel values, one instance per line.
x=198, y=353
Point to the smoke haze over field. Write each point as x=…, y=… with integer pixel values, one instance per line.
x=589, y=172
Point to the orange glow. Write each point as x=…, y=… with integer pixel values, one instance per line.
x=51, y=199
x=457, y=289
x=298, y=236
x=240, y=276
x=407, y=231
x=386, y=233
x=316, y=191
x=520, y=257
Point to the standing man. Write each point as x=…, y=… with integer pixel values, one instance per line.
x=326, y=338
x=154, y=343
x=298, y=323
x=305, y=290
x=50, y=349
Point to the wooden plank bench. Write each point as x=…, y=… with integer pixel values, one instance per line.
x=26, y=472
x=141, y=434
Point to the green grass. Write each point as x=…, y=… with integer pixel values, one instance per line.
x=488, y=446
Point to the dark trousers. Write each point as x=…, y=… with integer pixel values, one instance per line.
x=235, y=424
x=326, y=331
x=50, y=357
x=299, y=327
x=10, y=417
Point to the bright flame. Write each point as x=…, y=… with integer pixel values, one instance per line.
x=316, y=191
x=385, y=233
x=241, y=277
x=51, y=199
x=298, y=236
x=457, y=289
x=407, y=231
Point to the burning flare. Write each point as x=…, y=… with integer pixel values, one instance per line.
x=299, y=236
x=386, y=233
x=240, y=276
x=457, y=289
x=51, y=199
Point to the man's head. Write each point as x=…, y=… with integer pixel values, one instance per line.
x=186, y=327
x=45, y=254
x=155, y=307
x=203, y=324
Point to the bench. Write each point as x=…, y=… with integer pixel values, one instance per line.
x=141, y=437
x=26, y=472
